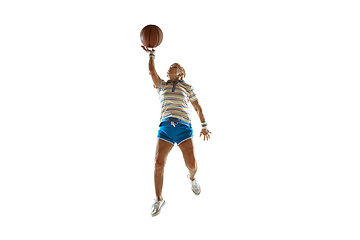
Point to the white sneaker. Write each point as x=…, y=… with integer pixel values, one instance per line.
x=195, y=187
x=156, y=207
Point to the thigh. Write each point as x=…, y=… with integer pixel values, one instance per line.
x=187, y=149
x=162, y=151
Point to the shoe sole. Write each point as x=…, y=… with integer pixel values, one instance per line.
x=197, y=194
x=157, y=213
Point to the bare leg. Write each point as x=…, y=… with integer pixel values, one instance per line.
x=162, y=151
x=187, y=149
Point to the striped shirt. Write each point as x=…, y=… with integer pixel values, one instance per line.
x=174, y=98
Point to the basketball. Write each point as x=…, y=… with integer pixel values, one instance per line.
x=151, y=36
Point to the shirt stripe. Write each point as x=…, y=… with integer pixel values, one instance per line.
x=175, y=104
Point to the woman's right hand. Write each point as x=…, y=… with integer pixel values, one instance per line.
x=147, y=49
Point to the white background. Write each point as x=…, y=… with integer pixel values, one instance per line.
x=279, y=86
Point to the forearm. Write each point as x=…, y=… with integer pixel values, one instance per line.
x=152, y=66
x=155, y=77
x=201, y=115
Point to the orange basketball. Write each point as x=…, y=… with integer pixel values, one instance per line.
x=151, y=36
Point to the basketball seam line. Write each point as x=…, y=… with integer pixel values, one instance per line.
x=150, y=37
x=158, y=38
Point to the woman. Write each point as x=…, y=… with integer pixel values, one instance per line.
x=175, y=125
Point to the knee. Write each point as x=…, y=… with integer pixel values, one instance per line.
x=191, y=164
x=159, y=164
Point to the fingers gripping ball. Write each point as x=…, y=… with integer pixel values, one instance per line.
x=151, y=36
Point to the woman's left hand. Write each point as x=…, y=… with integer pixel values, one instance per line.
x=206, y=134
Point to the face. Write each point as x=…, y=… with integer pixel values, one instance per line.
x=174, y=73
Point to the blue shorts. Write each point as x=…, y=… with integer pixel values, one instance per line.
x=174, y=132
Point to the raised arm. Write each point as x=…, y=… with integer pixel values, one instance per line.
x=152, y=71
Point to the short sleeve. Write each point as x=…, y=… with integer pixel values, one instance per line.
x=161, y=86
x=192, y=95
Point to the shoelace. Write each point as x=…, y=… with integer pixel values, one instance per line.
x=157, y=204
x=194, y=184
